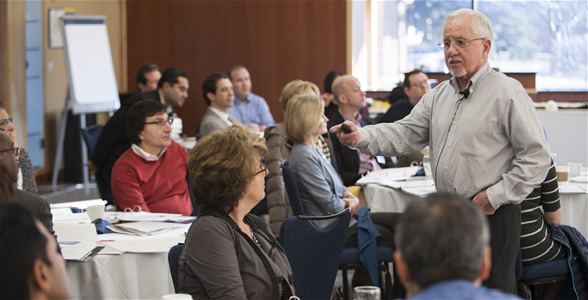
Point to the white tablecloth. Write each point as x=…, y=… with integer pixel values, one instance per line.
x=574, y=207
x=126, y=276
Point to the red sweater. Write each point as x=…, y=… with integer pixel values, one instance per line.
x=157, y=186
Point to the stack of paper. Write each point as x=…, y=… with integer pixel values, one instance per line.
x=143, y=228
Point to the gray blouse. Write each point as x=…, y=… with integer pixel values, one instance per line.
x=321, y=188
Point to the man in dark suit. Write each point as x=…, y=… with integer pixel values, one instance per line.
x=112, y=143
x=416, y=85
x=350, y=99
x=37, y=205
x=217, y=91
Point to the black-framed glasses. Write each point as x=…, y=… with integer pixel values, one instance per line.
x=161, y=123
x=262, y=168
x=14, y=151
x=458, y=43
x=5, y=122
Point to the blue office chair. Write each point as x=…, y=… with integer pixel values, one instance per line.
x=314, y=253
x=90, y=135
x=173, y=258
x=350, y=256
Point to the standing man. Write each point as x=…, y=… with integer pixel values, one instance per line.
x=485, y=139
x=416, y=85
x=251, y=109
x=350, y=99
x=172, y=92
x=217, y=91
x=152, y=174
x=147, y=78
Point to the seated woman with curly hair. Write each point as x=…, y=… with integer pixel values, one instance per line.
x=230, y=253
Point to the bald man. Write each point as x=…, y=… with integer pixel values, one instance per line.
x=350, y=99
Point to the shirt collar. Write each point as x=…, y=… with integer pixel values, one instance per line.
x=247, y=99
x=223, y=115
x=144, y=155
x=357, y=119
x=475, y=80
x=168, y=108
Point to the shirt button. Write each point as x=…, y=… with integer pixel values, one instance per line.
x=446, y=168
x=454, y=123
x=449, y=145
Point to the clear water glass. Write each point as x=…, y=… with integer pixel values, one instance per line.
x=366, y=293
x=427, y=167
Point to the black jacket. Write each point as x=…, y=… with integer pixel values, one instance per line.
x=397, y=111
x=348, y=159
x=113, y=141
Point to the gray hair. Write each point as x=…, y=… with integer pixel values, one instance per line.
x=481, y=25
x=442, y=237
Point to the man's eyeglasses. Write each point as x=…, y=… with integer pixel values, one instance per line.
x=262, y=168
x=420, y=83
x=169, y=121
x=5, y=122
x=459, y=43
x=14, y=151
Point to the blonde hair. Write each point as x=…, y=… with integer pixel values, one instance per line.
x=221, y=167
x=296, y=87
x=303, y=116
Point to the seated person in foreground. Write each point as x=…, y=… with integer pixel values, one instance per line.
x=537, y=243
x=321, y=189
x=279, y=149
x=230, y=253
x=31, y=266
x=217, y=91
x=350, y=99
x=37, y=205
x=443, y=250
x=152, y=174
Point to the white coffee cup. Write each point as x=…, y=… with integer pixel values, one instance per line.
x=176, y=296
x=575, y=169
x=95, y=211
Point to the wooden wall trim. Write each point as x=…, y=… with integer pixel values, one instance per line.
x=3, y=49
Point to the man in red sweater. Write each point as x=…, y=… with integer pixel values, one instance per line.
x=152, y=174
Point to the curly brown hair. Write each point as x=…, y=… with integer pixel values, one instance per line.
x=222, y=165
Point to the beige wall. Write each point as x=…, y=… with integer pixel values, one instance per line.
x=56, y=81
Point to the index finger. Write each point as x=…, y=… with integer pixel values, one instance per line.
x=335, y=128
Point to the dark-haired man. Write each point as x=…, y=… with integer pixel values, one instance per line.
x=217, y=91
x=416, y=85
x=172, y=92
x=152, y=174
x=147, y=78
x=31, y=266
x=37, y=205
x=458, y=234
x=250, y=109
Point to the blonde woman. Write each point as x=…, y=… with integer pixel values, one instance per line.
x=279, y=148
x=321, y=189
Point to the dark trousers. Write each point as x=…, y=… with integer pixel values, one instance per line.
x=385, y=222
x=505, y=238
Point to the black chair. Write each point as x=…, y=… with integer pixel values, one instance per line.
x=90, y=135
x=350, y=256
x=542, y=273
x=314, y=253
x=173, y=258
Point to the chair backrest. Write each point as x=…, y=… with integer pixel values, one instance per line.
x=292, y=190
x=91, y=135
x=173, y=257
x=314, y=253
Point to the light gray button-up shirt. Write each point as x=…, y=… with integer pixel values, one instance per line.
x=492, y=139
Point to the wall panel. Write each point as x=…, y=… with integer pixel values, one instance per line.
x=278, y=41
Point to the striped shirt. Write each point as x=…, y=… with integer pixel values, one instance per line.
x=537, y=244
x=491, y=139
